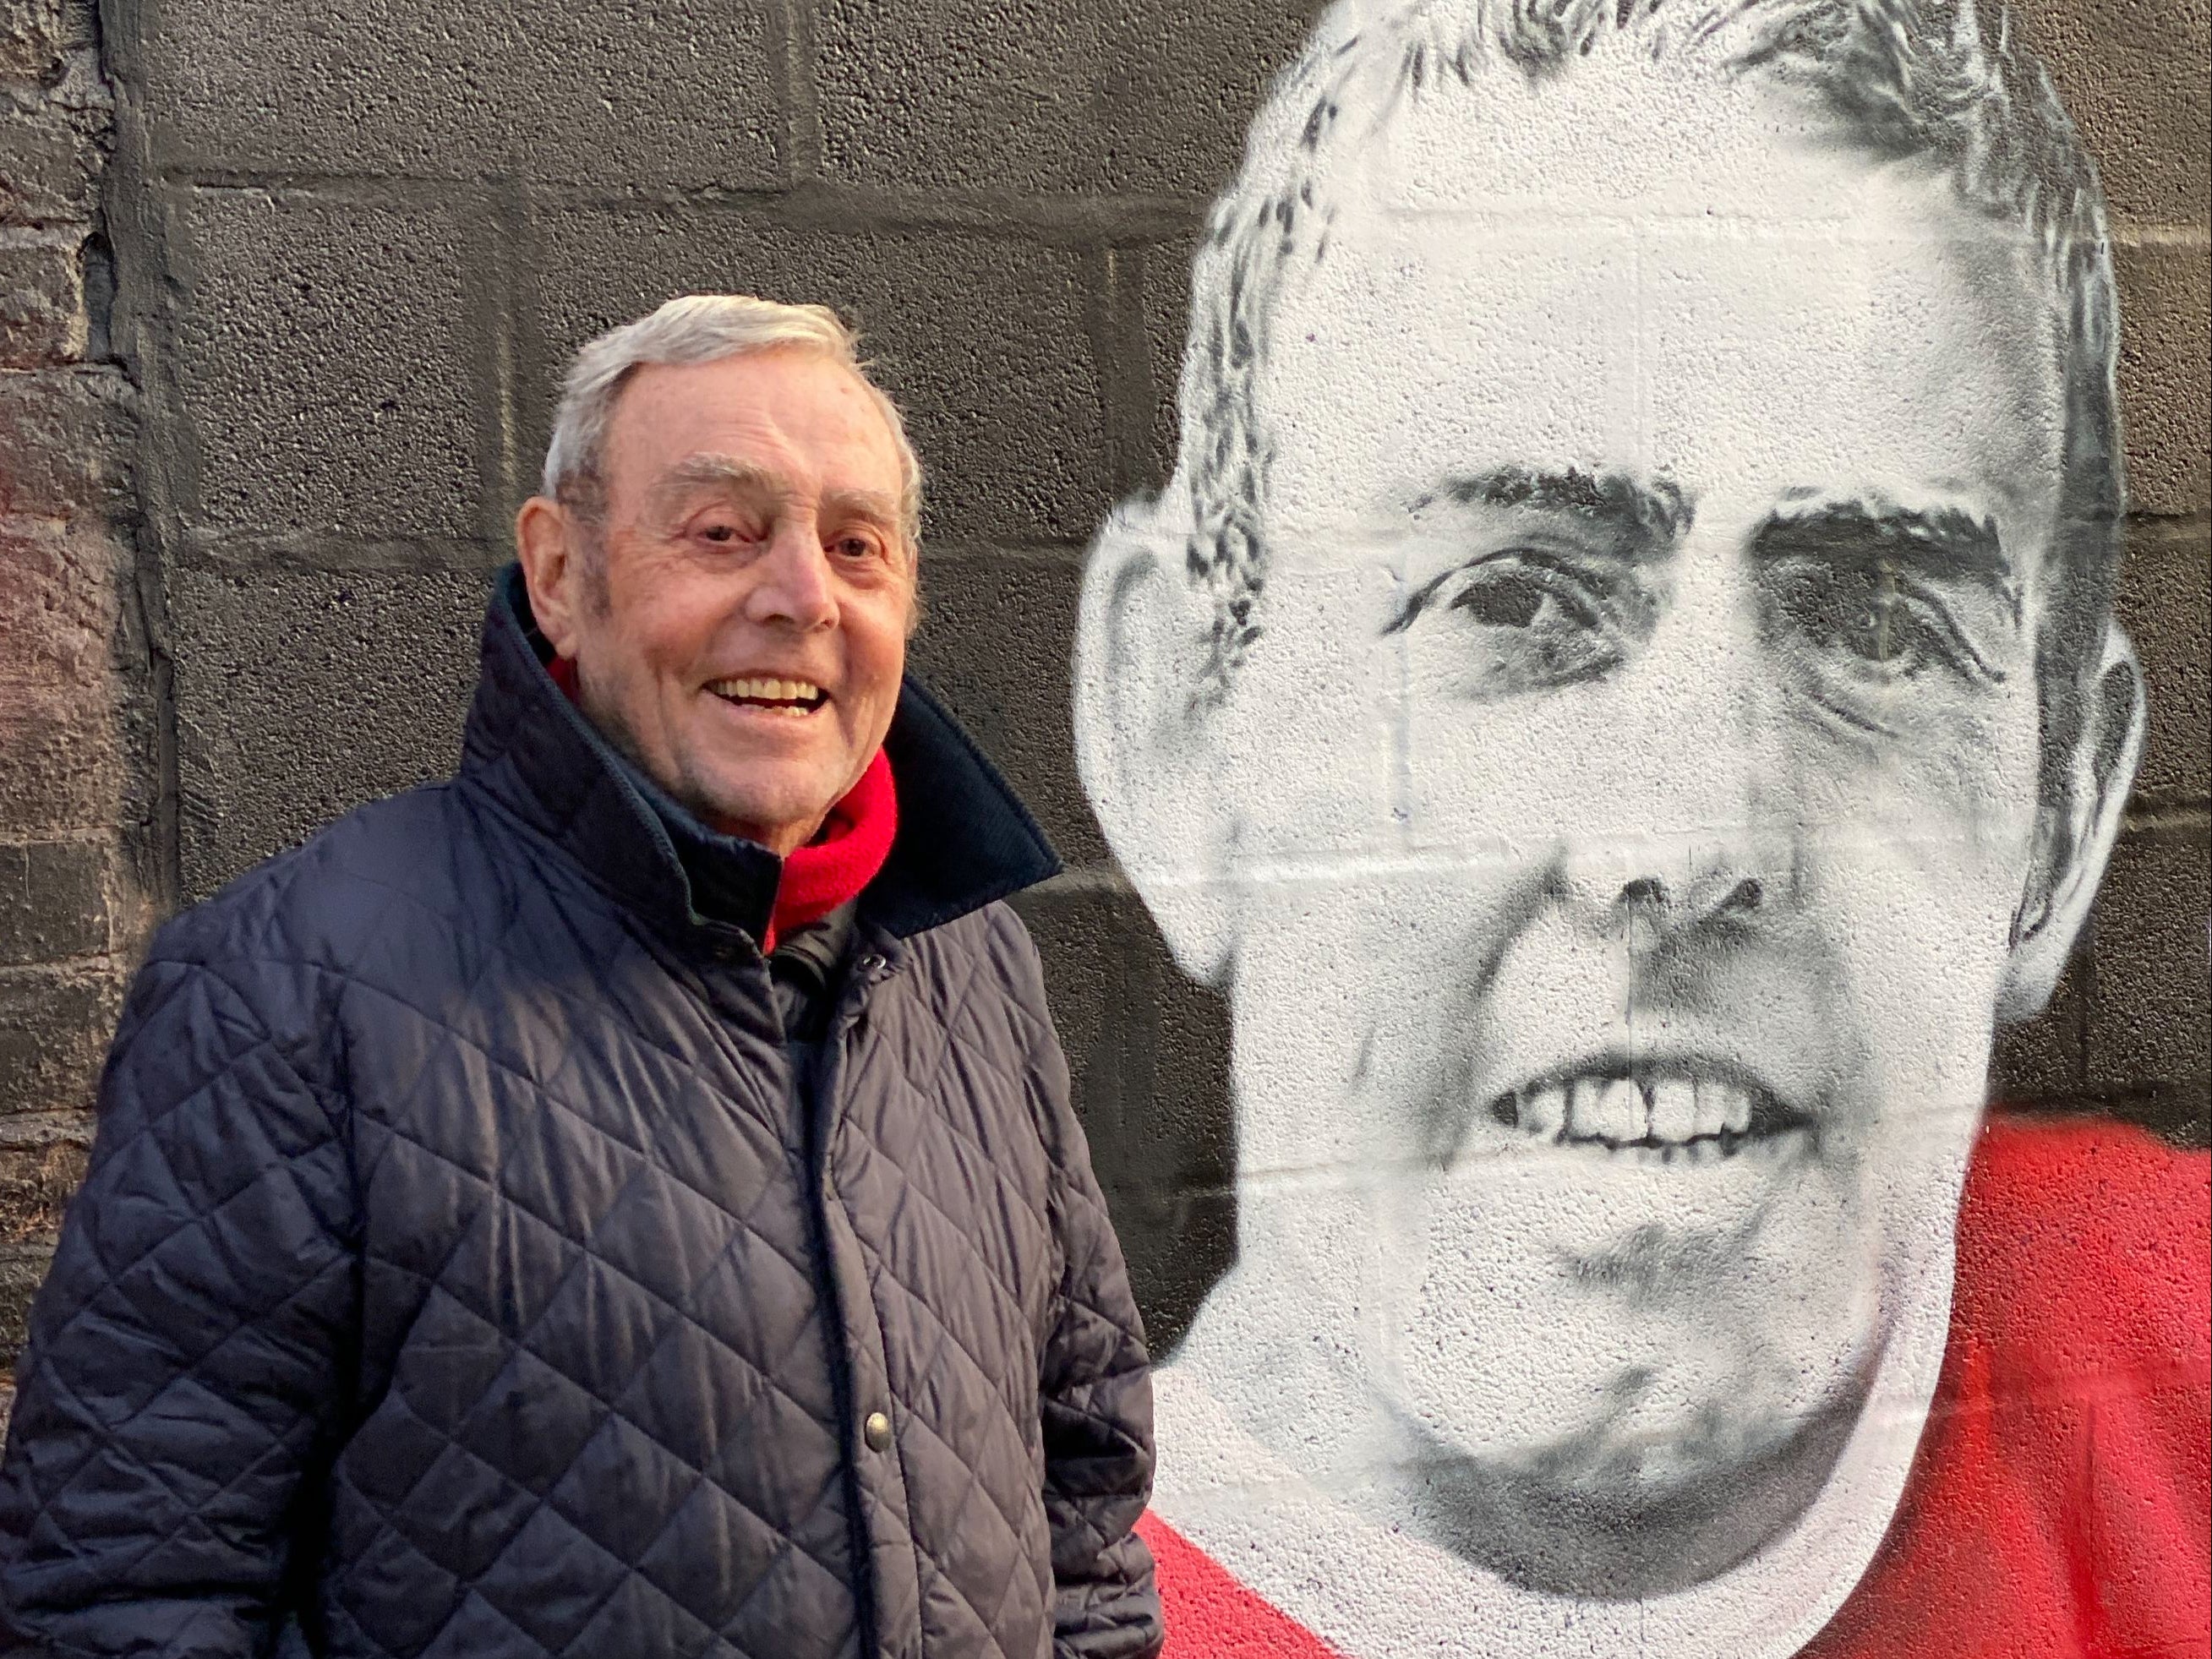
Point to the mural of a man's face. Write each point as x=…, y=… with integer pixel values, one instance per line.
x=1633, y=795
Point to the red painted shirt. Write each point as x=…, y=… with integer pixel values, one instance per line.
x=2060, y=1502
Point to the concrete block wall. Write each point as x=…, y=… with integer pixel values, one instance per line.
x=78, y=758
x=356, y=241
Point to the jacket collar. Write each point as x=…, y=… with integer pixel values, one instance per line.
x=964, y=838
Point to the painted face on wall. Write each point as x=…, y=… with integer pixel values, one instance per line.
x=1632, y=793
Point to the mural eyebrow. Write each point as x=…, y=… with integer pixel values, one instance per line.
x=1653, y=513
x=1638, y=521
x=1941, y=543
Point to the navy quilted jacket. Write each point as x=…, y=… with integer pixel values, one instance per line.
x=460, y=1272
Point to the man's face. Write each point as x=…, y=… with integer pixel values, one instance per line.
x=757, y=588
x=1635, y=776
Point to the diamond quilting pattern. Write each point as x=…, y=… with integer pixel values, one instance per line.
x=595, y=1379
x=433, y=1158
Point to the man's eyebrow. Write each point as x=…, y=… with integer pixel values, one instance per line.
x=1655, y=510
x=1941, y=542
x=872, y=504
x=737, y=478
x=722, y=472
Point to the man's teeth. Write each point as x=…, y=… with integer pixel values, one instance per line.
x=1666, y=1111
x=796, y=697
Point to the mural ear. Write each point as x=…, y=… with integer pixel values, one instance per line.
x=1147, y=743
x=2076, y=829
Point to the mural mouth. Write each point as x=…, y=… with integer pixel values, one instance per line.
x=1692, y=1114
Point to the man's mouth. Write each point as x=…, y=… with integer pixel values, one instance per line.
x=793, y=697
x=1671, y=1114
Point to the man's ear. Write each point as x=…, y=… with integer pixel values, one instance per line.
x=2076, y=825
x=1148, y=737
x=548, y=546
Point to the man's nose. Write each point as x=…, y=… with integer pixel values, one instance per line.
x=793, y=587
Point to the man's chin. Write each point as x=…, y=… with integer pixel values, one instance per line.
x=777, y=807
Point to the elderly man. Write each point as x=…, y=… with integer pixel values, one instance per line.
x=623, y=1200
x=1622, y=690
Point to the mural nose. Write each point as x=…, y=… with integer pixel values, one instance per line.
x=1713, y=893
x=1663, y=888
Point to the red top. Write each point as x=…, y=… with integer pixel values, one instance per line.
x=1210, y=1615
x=844, y=855
x=2060, y=1503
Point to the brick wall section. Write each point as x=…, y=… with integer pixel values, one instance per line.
x=74, y=805
x=356, y=241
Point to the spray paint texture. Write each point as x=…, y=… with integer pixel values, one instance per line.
x=1621, y=691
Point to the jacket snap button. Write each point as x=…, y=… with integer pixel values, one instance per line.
x=878, y=1431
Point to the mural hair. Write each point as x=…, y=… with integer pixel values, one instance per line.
x=1936, y=79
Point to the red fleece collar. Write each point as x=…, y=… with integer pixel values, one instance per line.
x=832, y=869
x=842, y=858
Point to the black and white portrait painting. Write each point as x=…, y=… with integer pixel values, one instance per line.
x=1622, y=695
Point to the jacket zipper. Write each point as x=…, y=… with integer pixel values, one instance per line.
x=818, y=1120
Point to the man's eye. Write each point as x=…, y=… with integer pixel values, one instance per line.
x=723, y=533
x=855, y=547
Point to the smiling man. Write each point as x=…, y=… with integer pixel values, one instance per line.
x=1622, y=692
x=624, y=1201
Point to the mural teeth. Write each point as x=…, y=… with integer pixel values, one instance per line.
x=1674, y=1110
x=1621, y=1114
x=1544, y=1110
x=1738, y=1108
x=1582, y=1097
x=1712, y=1106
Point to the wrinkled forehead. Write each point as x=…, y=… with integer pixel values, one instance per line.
x=1655, y=268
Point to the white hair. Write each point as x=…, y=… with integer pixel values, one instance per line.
x=699, y=328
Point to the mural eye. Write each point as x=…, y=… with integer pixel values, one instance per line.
x=1501, y=604
x=1863, y=613
x=1534, y=623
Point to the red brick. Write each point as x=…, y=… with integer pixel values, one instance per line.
x=53, y=901
x=42, y=315
x=55, y=1025
x=21, y=1268
x=42, y=1159
x=66, y=436
x=53, y=146
x=61, y=603
x=72, y=714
